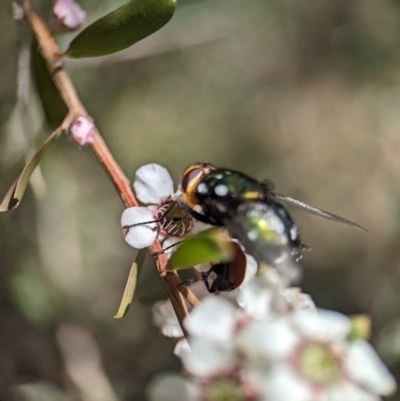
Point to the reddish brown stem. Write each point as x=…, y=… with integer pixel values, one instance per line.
x=50, y=52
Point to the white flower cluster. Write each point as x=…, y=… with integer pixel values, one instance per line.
x=277, y=347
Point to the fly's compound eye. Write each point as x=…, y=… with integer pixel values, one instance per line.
x=189, y=178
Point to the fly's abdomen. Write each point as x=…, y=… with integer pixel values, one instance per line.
x=263, y=233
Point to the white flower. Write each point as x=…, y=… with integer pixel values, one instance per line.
x=154, y=187
x=307, y=357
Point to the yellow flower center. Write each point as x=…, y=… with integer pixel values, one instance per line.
x=224, y=389
x=318, y=364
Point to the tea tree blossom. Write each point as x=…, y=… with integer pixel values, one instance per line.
x=160, y=217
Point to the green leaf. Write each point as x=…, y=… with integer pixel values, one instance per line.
x=206, y=246
x=17, y=190
x=128, y=292
x=130, y=285
x=53, y=106
x=122, y=28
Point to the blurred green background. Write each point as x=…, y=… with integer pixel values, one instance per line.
x=306, y=94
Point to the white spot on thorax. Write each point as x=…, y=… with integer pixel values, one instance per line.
x=202, y=188
x=294, y=233
x=221, y=190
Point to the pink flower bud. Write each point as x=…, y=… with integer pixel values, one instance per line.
x=67, y=16
x=82, y=130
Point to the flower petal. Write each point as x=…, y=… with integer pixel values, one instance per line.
x=208, y=358
x=282, y=384
x=348, y=392
x=140, y=236
x=214, y=318
x=326, y=325
x=367, y=370
x=255, y=299
x=298, y=300
x=152, y=182
x=263, y=340
x=165, y=318
x=182, y=348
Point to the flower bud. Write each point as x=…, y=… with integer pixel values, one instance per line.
x=67, y=16
x=81, y=130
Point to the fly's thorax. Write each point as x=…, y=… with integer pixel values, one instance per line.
x=226, y=184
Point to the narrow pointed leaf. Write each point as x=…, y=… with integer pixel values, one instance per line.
x=207, y=246
x=8, y=201
x=17, y=190
x=128, y=292
x=130, y=285
x=53, y=106
x=122, y=28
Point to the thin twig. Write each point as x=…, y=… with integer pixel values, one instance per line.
x=50, y=53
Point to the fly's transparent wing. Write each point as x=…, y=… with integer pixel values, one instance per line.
x=315, y=211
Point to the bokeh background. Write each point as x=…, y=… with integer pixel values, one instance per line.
x=306, y=94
